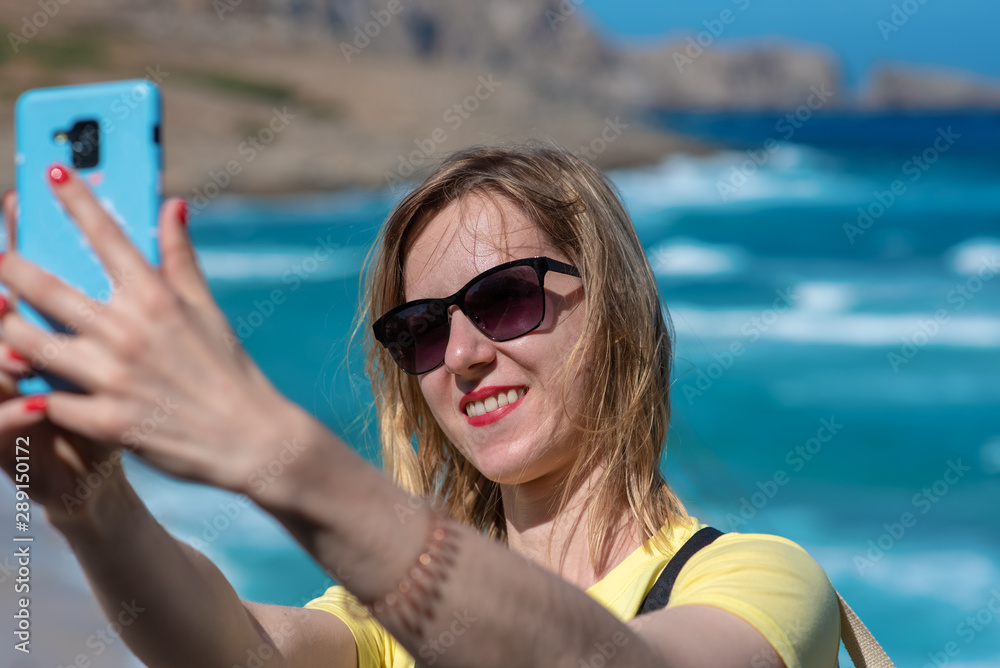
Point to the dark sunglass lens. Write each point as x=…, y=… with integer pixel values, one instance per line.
x=506, y=304
x=417, y=337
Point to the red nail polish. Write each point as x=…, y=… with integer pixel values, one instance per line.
x=4, y=306
x=58, y=174
x=16, y=356
x=182, y=212
x=2, y=255
x=38, y=402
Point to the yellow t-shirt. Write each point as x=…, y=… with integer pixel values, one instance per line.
x=768, y=581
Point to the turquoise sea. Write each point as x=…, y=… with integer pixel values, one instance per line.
x=837, y=322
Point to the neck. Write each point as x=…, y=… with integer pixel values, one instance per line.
x=530, y=512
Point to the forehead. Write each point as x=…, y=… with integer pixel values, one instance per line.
x=467, y=237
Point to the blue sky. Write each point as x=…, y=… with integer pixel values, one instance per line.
x=951, y=33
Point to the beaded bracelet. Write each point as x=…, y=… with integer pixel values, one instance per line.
x=413, y=597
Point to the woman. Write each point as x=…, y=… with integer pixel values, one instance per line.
x=521, y=348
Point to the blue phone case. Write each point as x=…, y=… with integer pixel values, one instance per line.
x=126, y=180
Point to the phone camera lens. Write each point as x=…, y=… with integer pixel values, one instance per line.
x=85, y=143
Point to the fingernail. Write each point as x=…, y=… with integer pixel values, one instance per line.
x=182, y=212
x=16, y=356
x=3, y=254
x=3, y=302
x=58, y=174
x=37, y=402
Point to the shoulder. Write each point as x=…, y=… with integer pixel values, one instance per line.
x=772, y=583
x=375, y=646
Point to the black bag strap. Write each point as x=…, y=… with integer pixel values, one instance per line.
x=658, y=596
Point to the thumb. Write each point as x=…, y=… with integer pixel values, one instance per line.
x=178, y=262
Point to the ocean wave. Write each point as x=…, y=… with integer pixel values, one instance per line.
x=828, y=296
x=989, y=455
x=975, y=255
x=816, y=326
x=688, y=257
x=956, y=577
x=789, y=173
x=254, y=264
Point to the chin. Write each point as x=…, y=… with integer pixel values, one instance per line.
x=511, y=465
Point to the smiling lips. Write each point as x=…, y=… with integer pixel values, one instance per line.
x=481, y=410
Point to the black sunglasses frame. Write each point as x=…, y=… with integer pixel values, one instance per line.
x=539, y=263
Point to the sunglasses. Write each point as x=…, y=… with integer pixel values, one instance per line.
x=504, y=302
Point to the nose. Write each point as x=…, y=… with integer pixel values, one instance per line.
x=468, y=349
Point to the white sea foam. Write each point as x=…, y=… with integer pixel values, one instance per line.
x=687, y=257
x=814, y=326
x=249, y=264
x=957, y=577
x=826, y=296
x=989, y=455
x=975, y=255
x=791, y=172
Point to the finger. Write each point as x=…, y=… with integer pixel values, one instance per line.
x=22, y=412
x=12, y=363
x=113, y=247
x=52, y=296
x=178, y=261
x=79, y=360
x=101, y=419
x=10, y=217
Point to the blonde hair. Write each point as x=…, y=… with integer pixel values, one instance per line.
x=626, y=343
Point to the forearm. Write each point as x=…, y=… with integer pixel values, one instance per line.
x=173, y=604
x=499, y=608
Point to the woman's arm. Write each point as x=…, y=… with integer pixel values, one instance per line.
x=176, y=608
x=496, y=609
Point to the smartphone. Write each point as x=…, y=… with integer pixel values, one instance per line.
x=110, y=134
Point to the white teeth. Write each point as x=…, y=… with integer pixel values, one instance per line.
x=476, y=408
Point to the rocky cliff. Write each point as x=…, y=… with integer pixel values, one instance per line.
x=375, y=90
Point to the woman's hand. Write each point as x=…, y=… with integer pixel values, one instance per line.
x=162, y=371
x=69, y=475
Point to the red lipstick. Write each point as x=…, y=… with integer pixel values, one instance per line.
x=483, y=393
